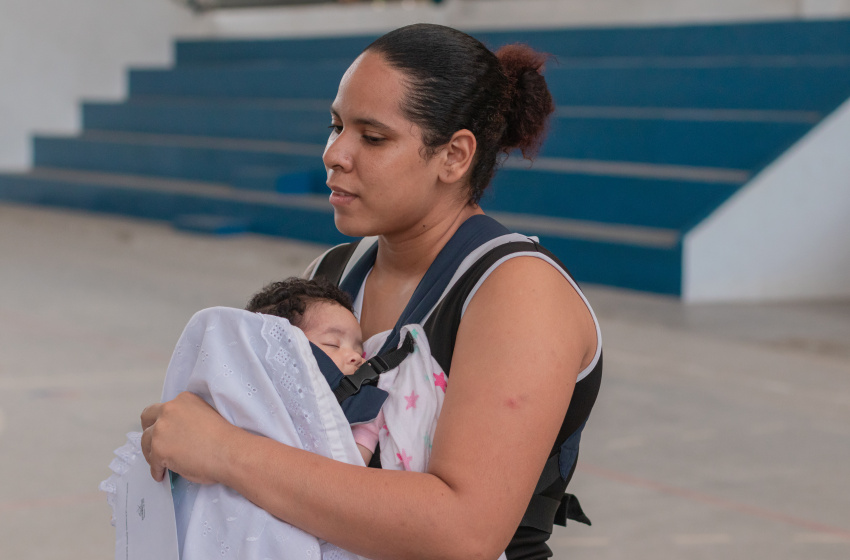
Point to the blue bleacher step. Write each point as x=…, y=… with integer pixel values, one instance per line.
x=279, y=179
x=263, y=81
x=210, y=224
x=738, y=84
x=305, y=217
x=667, y=138
x=634, y=257
x=290, y=120
x=210, y=159
x=780, y=38
x=647, y=200
x=643, y=258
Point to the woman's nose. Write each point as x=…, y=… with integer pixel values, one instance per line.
x=336, y=155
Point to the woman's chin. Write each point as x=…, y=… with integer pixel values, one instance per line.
x=350, y=227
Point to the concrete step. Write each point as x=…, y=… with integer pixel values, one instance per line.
x=637, y=257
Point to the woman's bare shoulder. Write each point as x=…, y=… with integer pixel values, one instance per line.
x=530, y=289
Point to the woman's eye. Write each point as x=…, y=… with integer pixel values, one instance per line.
x=373, y=139
x=336, y=128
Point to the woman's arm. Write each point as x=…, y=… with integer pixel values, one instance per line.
x=523, y=340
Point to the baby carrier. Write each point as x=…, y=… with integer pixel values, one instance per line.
x=438, y=303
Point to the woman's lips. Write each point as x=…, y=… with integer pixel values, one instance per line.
x=340, y=197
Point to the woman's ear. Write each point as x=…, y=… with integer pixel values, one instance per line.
x=458, y=156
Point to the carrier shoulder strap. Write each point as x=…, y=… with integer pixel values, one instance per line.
x=332, y=264
x=549, y=504
x=348, y=267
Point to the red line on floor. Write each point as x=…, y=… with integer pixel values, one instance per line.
x=708, y=499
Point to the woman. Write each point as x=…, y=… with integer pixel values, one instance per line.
x=418, y=126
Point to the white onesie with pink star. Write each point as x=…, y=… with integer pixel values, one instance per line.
x=405, y=428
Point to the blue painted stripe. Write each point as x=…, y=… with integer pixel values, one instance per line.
x=626, y=266
x=620, y=200
x=736, y=145
x=303, y=80
x=764, y=88
x=186, y=162
x=687, y=114
x=769, y=38
x=235, y=119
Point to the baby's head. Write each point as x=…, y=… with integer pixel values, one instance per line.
x=322, y=311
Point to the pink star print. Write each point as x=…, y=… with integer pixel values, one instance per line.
x=411, y=400
x=440, y=381
x=404, y=458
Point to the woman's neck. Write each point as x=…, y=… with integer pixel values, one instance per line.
x=409, y=254
x=401, y=263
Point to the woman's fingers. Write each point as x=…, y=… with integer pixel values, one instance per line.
x=157, y=471
x=150, y=414
x=184, y=435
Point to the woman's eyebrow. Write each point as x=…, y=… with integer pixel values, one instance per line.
x=363, y=121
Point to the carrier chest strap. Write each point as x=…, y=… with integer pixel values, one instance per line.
x=371, y=370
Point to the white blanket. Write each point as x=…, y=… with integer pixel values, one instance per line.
x=259, y=373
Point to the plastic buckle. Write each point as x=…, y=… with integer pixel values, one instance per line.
x=365, y=375
x=378, y=365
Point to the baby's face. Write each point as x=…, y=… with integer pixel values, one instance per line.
x=334, y=329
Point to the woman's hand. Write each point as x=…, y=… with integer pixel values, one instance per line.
x=187, y=436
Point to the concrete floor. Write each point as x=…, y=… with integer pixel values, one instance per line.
x=721, y=430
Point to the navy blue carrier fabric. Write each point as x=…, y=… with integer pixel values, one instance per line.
x=473, y=233
x=361, y=407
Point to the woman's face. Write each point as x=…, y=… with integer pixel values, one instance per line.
x=380, y=182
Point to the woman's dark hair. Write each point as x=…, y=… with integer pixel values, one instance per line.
x=455, y=82
x=289, y=298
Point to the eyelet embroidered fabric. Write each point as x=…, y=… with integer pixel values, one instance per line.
x=259, y=373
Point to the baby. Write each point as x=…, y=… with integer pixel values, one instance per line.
x=324, y=313
x=261, y=375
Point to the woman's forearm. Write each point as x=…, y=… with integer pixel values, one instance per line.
x=375, y=513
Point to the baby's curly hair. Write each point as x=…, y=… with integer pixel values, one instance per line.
x=289, y=298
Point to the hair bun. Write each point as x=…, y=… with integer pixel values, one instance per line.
x=529, y=102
